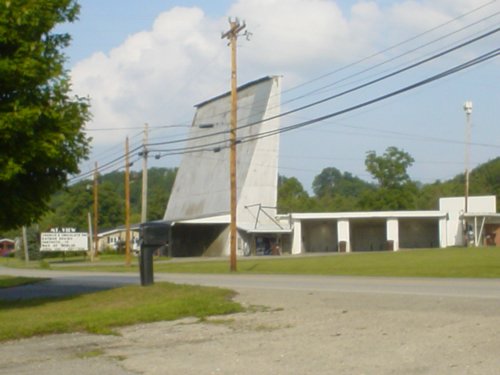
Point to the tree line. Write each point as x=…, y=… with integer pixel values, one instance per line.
x=336, y=191
x=333, y=191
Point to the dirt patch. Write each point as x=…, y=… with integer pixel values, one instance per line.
x=287, y=332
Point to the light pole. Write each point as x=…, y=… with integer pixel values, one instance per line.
x=468, y=112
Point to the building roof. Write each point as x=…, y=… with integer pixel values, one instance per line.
x=490, y=218
x=240, y=88
x=369, y=215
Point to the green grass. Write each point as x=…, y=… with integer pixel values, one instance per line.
x=12, y=281
x=101, y=312
x=19, y=263
x=450, y=262
x=70, y=259
x=453, y=262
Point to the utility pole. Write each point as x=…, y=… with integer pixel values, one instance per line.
x=93, y=253
x=25, y=245
x=468, y=112
x=232, y=36
x=127, y=205
x=89, y=218
x=144, y=204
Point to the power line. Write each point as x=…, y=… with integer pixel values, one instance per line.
x=356, y=88
x=485, y=57
x=335, y=71
x=320, y=89
x=456, y=69
x=221, y=144
x=426, y=81
x=386, y=50
x=378, y=53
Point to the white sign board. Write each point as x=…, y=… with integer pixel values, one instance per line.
x=64, y=241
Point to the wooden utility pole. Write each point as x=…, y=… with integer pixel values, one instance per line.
x=94, y=251
x=144, y=204
x=25, y=245
x=89, y=218
x=232, y=36
x=127, y=205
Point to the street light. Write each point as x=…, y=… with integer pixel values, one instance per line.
x=468, y=112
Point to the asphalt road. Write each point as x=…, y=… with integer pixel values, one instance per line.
x=75, y=282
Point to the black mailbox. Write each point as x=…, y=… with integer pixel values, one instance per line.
x=154, y=233
x=152, y=236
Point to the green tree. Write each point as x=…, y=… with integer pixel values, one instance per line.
x=70, y=207
x=331, y=182
x=429, y=194
x=41, y=137
x=161, y=182
x=484, y=180
x=396, y=191
x=325, y=183
x=291, y=196
x=389, y=169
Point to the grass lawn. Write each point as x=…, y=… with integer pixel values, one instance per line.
x=67, y=260
x=449, y=262
x=102, y=311
x=452, y=262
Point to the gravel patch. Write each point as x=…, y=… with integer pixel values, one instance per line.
x=287, y=332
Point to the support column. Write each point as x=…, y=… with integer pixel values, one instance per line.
x=393, y=234
x=443, y=232
x=344, y=235
x=297, y=237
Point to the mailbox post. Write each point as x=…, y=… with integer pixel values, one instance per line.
x=153, y=235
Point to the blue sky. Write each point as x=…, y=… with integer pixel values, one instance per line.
x=152, y=61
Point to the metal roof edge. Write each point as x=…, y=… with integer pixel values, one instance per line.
x=368, y=215
x=240, y=88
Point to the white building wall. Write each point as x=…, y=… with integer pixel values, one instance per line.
x=455, y=207
x=259, y=186
x=202, y=186
x=393, y=232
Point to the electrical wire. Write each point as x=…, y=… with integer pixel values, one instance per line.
x=378, y=53
x=319, y=90
x=220, y=144
x=480, y=59
x=345, y=92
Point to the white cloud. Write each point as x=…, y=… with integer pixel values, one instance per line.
x=149, y=77
x=157, y=75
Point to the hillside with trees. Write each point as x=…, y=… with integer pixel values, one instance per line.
x=336, y=191
x=333, y=191
x=70, y=207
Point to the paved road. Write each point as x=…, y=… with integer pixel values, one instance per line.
x=309, y=325
x=72, y=282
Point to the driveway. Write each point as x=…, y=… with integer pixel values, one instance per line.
x=295, y=325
